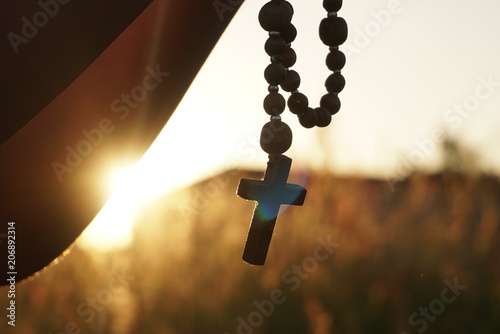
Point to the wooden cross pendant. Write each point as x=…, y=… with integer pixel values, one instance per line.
x=270, y=193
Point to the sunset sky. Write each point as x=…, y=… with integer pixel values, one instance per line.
x=415, y=70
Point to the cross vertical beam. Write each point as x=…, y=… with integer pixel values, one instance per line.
x=270, y=193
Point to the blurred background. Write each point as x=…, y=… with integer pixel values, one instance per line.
x=399, y=232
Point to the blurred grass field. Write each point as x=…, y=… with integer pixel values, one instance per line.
x=396, y=251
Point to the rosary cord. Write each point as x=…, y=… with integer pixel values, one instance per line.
x=275, y=17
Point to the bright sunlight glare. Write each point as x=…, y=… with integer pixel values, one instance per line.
x=166, y=166
x=199, y=141
x=112, y=228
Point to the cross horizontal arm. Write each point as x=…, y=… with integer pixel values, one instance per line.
x=258, y=190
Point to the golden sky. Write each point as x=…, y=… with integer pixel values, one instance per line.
x=416, y=70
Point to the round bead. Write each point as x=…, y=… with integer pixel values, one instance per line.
x=289, y=57
x=324, y=117
x=276, y=137
x=309, y=119
x=332, y=5
x=298, y=103
x=289, y=33
x=274, y=104
x=291, y=82
x=330, y=102
x=275, y=73
x=333, y=30
x=335, y=83
x=275, y=45
x=335, y=60
x=275, y=15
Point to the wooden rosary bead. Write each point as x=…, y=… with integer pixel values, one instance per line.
x=274, y=104
x=291, y=82
x=275, y=45
x=324, y=117
x=309, y=119
x=275, y=15
x=288, y=57
x=289, y=33
x=276, y=137
x=333, y=31
x=330, y=102
x=298, y=103
x=335, y=60
x=332, y=5
x=275, y=73
x=335, y=83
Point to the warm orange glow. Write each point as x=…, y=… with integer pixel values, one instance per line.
x=113, y=226
x=167, y=165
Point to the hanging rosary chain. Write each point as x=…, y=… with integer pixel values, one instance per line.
x=276, y=136
x=275, y=17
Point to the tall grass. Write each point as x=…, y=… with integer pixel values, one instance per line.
x=396, y=252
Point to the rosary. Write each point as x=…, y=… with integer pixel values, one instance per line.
x=276, y=136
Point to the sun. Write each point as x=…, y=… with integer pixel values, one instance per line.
x=185, y=152
x=112, y=228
